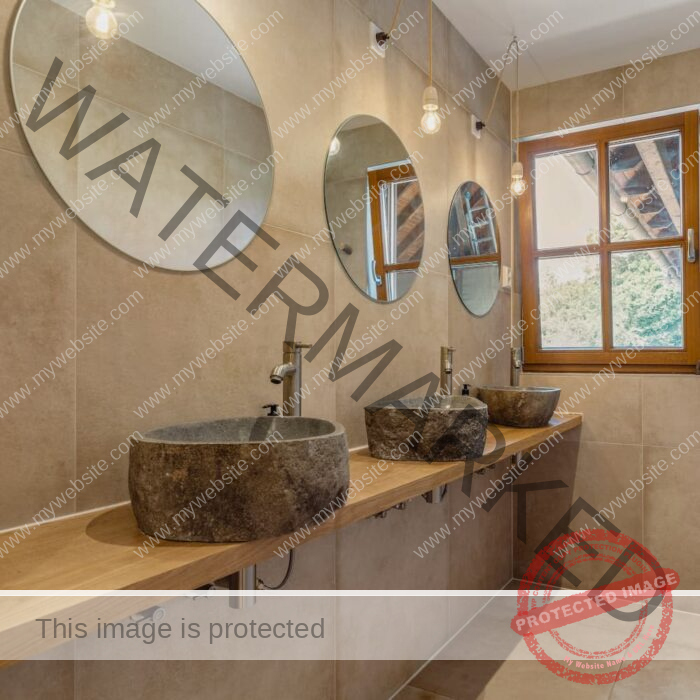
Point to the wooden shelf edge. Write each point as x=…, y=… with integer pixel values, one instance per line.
x=96, y=551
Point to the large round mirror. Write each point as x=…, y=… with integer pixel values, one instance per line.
x=374, y=208
x=474, y=248
x=146, y=120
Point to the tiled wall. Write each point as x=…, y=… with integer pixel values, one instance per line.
x=88, y=410
x=633, y=421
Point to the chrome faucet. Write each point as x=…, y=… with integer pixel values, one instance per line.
x=289, y=375
x=446, y=358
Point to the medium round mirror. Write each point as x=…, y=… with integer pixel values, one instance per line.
x=474, y=248
x=147, y=122
x=374, y=208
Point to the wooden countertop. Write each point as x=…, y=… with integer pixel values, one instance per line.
x=96, y=551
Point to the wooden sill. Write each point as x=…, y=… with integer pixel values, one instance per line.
x=556, y=368
x=96, y=551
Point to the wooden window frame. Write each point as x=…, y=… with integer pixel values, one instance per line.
x=644, y=361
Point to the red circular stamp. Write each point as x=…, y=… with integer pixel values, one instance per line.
x=631, y=591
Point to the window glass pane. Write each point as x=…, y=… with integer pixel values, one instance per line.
x=646, y=188
x=477, y=285
x=647, y=296
x=566, y=199
x=473, y=227
x=570, y=302
x=399, y=283
x=403, y=221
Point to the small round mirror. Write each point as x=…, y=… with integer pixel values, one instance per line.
x=474, y=248
x=374, y=208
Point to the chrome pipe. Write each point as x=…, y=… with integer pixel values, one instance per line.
x=446, y=367
x=243, y=580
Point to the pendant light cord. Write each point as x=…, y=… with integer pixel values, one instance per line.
x=517, y=105
x=430, y=41
x=498, y=84
x=394, y=22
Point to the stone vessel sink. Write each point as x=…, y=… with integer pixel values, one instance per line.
x=519, y=407
x=237, y=479
x=446, y=429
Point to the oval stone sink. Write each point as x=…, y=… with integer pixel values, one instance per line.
x=519, y=406
x=237, y=479
x=448, y=429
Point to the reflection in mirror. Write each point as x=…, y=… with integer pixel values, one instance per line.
x=474, y=247
x=374, y=208
x=156, y=136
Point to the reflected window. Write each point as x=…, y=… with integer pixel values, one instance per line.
x=397, y=230
x=474, y=248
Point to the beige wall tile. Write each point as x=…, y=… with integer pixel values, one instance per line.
x=612, y=409
x=480, y=546
x=168, y=189
x=245, y=128
x=671, y=407
x=35, y=47
x=143, y=82
x=598, y=473
x=178, y=317
x=571, y=96
x=534, y=110
x=297, y=203
x=420, y=353
x=466, y=66
x=671, y=518
x=379, y=553
x=666, y=83
x=47, y=141
x=37, y=679
x=314, y=566
x=37, y=317
x=548, y=109
x=414, y=42
x=13, y=140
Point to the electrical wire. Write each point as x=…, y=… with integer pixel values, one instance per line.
x=514, y=40
x=283, y=582
x=394, y=21
x=430, y=41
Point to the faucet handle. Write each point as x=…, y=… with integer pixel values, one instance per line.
x=274, y=409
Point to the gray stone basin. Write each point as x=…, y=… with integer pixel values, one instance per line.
x=445, y=429
x=519, y=407
x=236, y=479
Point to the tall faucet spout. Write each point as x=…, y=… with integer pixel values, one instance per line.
x=279, y=372
x=446, y=362
x=288, y=373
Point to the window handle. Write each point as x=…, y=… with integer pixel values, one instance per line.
x=377, y=278
x=692, y=254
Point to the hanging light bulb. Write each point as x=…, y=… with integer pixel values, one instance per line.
x=518, y=186
x=335, y=147
x=431, y=121
x=100, y=19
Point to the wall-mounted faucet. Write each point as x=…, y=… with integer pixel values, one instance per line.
x=446, y=359
x=289, y=375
